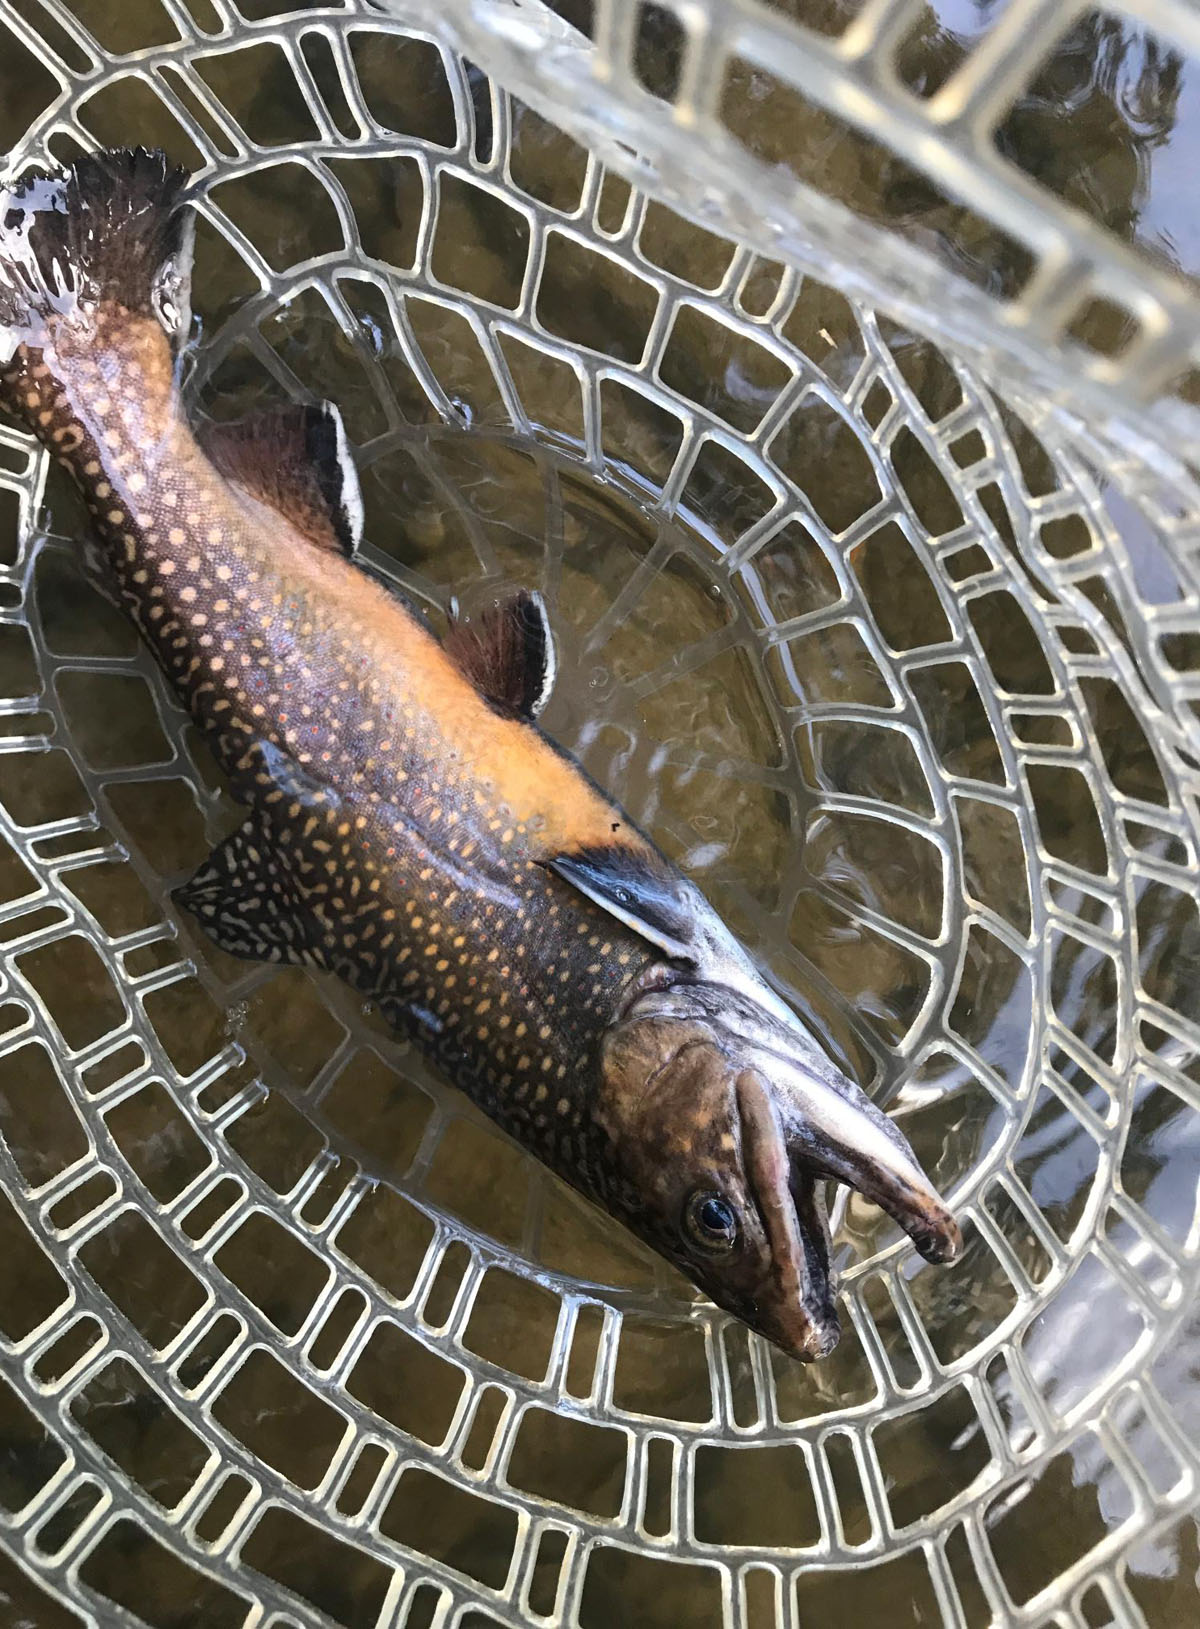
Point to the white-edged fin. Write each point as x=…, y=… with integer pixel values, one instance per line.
x=638, y=889
x=506, y=650
x=296, y=460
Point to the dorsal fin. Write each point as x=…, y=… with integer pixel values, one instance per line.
x=638, y=888
x=507, y=652
x=296, y=460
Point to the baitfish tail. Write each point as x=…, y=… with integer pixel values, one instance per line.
x=106, y=236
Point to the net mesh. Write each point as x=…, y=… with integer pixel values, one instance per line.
x=875, y=623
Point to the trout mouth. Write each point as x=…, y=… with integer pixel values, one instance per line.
x=795, y=1306
x=834, y=1130
x=787, y=1166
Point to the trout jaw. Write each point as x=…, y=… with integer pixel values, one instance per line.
x=833, y=1130
x=786, y=1165
x=796, y=1308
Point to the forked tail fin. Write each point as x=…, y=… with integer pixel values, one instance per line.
x=107, y=232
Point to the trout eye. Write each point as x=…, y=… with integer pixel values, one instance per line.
x=711, y=1221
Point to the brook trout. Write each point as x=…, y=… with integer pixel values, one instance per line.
x=408, y=826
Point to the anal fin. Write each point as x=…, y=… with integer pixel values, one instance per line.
x=507, y=652
x=297, y=461
x=246, y=901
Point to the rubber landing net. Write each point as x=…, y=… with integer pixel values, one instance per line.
x=825, y=367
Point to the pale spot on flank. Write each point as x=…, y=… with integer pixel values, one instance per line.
x=137, y=483
x=167, y=567
x=187, y=595
x=176, y=536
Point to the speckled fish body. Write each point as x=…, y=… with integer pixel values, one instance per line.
x=408, y=827
x=397, y=818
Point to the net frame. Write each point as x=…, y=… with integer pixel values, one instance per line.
x=907, y=1372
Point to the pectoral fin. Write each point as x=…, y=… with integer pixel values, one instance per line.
x=297, y=461
x=507, y=652
x=639, y=890
x=247, y=902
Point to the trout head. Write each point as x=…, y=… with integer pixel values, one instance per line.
x=724, y=1123
x=721, y=1118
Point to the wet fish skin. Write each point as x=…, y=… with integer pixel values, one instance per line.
x=403, y=860
x=408, y=827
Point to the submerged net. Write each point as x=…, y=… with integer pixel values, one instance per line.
x=860, y=497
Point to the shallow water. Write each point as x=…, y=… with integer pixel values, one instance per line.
x=797, y=724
